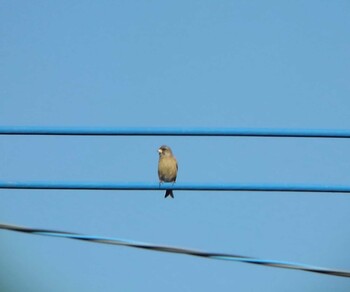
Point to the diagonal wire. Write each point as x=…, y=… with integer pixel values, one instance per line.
x=149, y=131
x=177, y=250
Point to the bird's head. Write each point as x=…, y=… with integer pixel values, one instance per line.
x=164, y=151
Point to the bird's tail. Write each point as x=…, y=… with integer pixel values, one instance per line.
x=169, y=193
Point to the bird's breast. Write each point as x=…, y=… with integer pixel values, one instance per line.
x=167, y=169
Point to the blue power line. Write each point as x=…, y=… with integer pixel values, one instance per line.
x=44, y=185
x=238, y=132
x=177, y=250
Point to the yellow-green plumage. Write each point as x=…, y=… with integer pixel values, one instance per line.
x=167, y=167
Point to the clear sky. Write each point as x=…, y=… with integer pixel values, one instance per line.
x=259, y=64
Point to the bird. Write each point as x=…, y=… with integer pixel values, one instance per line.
x=167, y=168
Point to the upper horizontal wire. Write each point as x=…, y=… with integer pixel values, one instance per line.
x=149, y=131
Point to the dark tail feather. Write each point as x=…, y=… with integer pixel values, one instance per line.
x=169, y=193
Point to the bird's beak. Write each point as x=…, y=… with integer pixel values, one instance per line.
x=159, y=151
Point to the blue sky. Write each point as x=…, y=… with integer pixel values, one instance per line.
x=259, y=64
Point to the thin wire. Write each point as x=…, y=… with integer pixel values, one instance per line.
x=134, y=186
x=177, y=250
x=239, y=132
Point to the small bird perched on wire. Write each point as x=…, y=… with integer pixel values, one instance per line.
x=167, y=168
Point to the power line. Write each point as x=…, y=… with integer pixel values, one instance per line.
x=134, y=186
x=238, y=132
x=177, y=250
